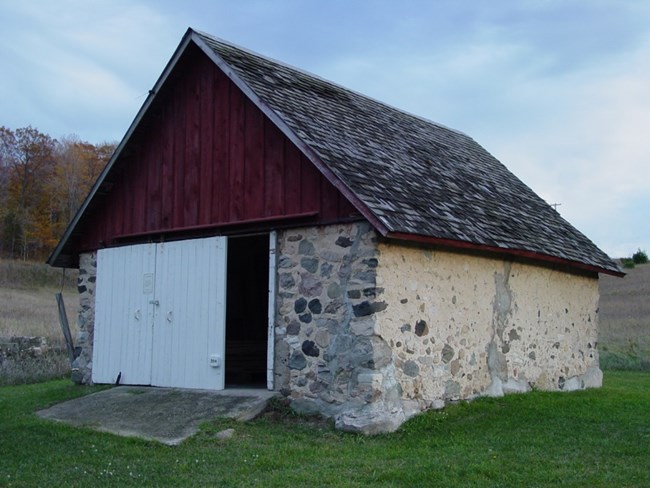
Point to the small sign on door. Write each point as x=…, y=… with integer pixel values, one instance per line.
x=147, y=283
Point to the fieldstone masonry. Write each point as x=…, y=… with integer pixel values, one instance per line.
x=330, y=357
x=371, y=333
x=82, y=365
x=18, y=348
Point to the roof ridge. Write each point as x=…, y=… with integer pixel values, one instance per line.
x=327, y=81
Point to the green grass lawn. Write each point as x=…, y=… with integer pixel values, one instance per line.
x=588, y=438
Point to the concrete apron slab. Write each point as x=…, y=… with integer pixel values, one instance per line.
x=167, y=415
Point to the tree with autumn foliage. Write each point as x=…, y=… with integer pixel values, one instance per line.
x=43, y=182
x=28, y=160
x=78, y=166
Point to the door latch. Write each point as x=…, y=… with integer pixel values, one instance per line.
x=154, y=302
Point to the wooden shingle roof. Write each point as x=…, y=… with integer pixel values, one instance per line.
x=417, y=178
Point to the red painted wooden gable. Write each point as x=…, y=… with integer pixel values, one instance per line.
x=205, y=156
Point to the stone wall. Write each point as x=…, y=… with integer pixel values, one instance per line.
x=18, y=348
x=82, y=365
x=371, y=333
x=462, y=326
x=329, y=357
x=31, y=359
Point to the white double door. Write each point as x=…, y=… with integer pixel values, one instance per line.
x=160, y=314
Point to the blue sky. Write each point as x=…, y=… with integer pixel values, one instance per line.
x=559, y=91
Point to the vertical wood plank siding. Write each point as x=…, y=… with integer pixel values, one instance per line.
x=205, y=154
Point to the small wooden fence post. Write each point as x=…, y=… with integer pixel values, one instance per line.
x=65, y=327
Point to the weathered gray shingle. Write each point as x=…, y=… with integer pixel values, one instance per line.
x=416, y=176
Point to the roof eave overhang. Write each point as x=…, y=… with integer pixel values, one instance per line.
x=517, y=253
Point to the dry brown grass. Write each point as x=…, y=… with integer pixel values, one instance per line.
x=27, y=303
x=33, y=312
x=26, y=275
x=28, y=308
x=625, y=313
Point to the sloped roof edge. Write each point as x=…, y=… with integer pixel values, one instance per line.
x=56, y=258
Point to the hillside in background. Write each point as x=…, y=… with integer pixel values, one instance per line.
x=625, y=319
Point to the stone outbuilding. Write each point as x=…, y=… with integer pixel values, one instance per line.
x=261, y=226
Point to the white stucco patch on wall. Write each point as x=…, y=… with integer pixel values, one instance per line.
x=550, y=336
x=462, y=326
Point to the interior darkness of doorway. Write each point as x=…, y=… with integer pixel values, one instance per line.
x=247, y=310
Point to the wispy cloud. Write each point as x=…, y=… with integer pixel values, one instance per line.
x=80, y=60
x=558, y=91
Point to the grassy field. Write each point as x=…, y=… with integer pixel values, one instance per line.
x=33, y=312
x=624, y=334
x=594, y=438
x=28, y=308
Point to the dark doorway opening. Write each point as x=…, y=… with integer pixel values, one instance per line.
x=247, y=310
